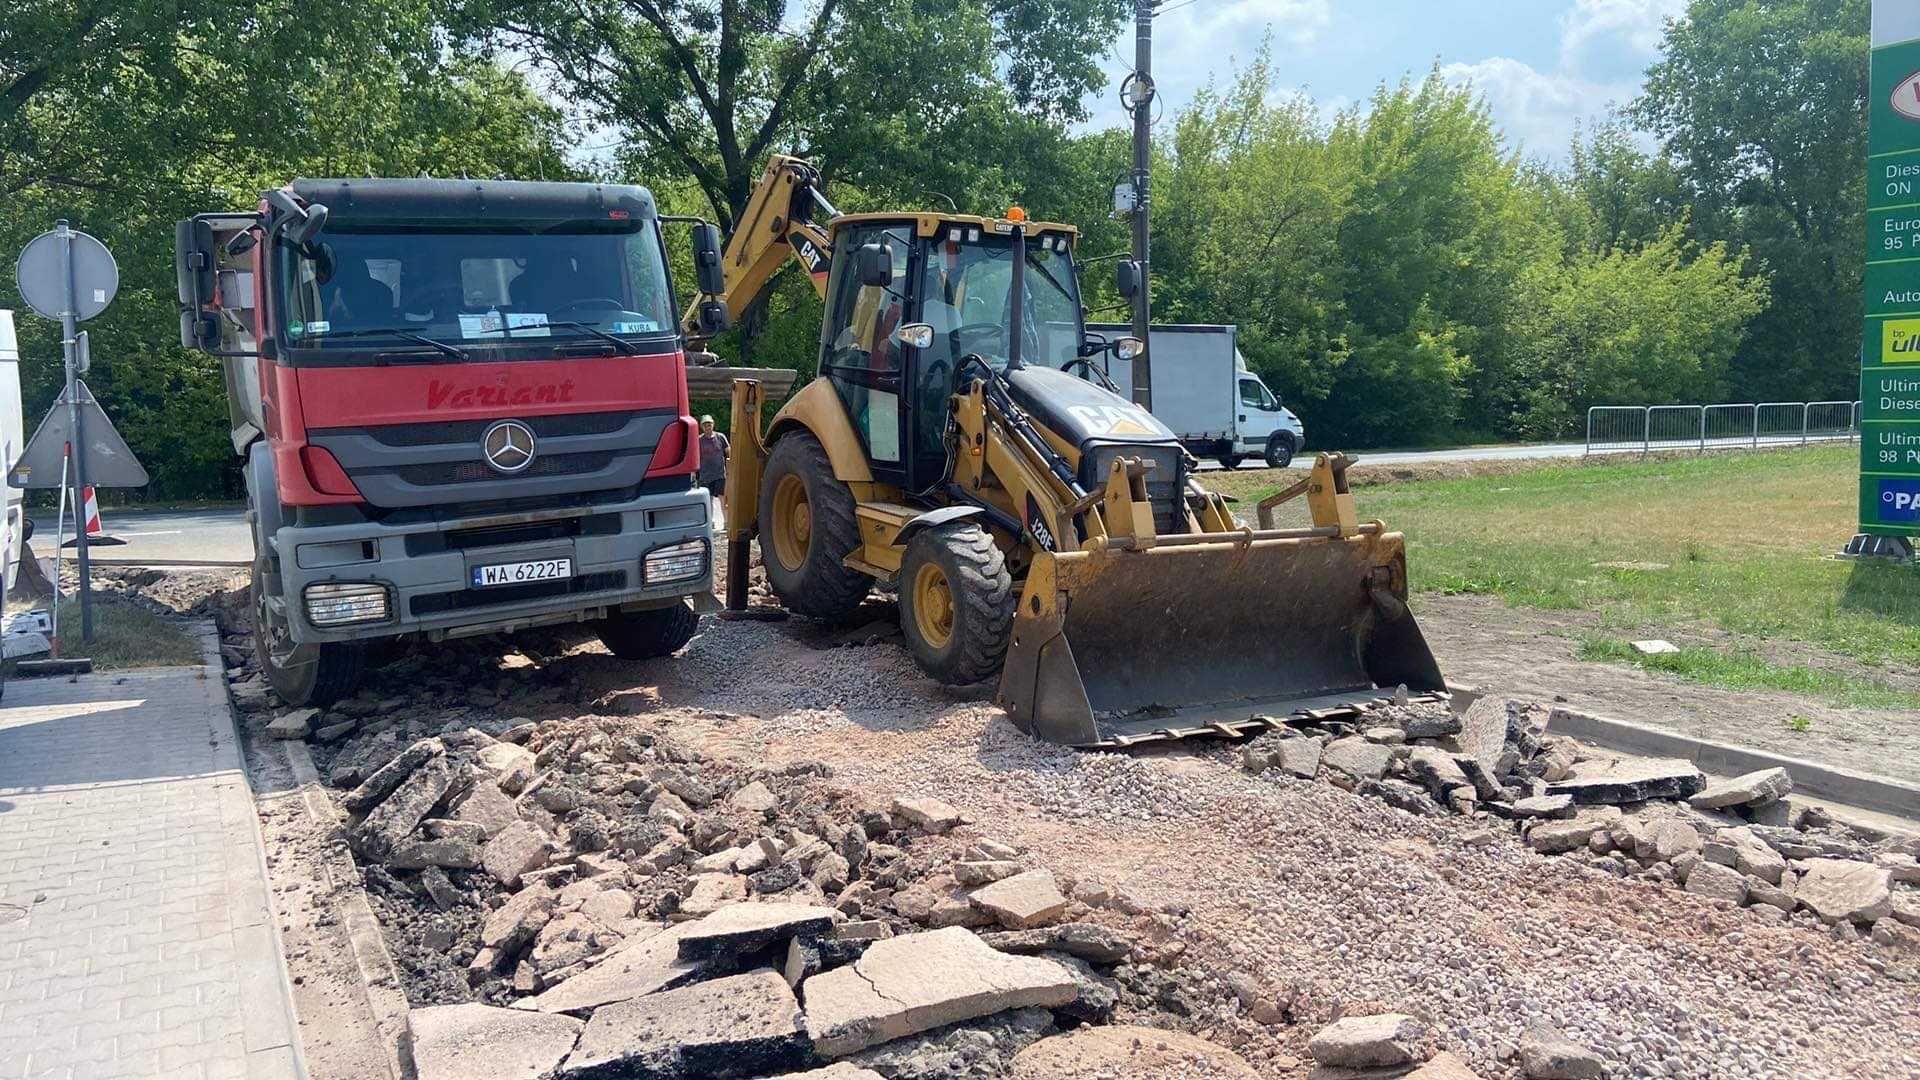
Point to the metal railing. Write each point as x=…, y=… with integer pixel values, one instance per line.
x=1645, y=428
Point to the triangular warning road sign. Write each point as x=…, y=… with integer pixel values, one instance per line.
x=110, y=463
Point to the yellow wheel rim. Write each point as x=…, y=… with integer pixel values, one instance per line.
x=933, y=606
x=792, y=524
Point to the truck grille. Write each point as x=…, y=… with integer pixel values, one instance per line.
x=398, y=466
x=471, y=599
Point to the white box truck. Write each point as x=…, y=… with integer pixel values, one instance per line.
x=1204, y=392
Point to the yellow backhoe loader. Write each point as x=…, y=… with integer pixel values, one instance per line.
x=963, y=446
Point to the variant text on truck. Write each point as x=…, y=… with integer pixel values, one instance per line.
x=463, y=410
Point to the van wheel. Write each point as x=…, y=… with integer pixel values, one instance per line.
x=316, y=674
x=1280, y=450
x=1230, y=461
x=654, y=632
x=807, y=527
x=956, y=603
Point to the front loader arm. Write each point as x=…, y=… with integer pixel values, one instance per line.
x=777, y=224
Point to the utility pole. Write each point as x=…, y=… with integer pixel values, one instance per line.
x=1140, y=95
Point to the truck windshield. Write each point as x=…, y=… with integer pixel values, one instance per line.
x=964, y=297
x=477, y=283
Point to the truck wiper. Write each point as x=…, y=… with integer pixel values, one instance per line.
x=627, y=348
x=454, y=351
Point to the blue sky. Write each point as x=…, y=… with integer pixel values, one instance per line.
x=1543, y=65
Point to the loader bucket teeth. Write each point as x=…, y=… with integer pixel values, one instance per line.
x=1219, y=637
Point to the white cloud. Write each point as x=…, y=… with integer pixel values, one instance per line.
x=1538, y=110
x=1208, y=40
x=1596, y=33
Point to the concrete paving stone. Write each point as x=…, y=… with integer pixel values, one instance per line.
x=1762, y=786
x=130, y=965
x=740, y=930
x=742, y=1025
x=917, y=982
x=1841, y=890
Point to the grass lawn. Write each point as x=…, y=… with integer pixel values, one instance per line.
x=1743, y=541
x=126, y=636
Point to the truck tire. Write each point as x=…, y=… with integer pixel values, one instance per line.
x=807, y=527
x=1230, y=461
x=956, y=603
x=316, y=674
x=647, y=634
x=1280, y=450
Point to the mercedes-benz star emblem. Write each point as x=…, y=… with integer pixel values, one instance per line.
x=508, y=446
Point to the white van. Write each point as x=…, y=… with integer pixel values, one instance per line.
x=13, y=440
x=1204, y=392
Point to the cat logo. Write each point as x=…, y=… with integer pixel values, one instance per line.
x=810, y=256
x=1115, y=419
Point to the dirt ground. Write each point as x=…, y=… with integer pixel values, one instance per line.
x=1327, y=902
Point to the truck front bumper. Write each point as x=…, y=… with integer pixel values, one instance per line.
x=372, y=579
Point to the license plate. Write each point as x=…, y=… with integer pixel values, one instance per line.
x=522, y=573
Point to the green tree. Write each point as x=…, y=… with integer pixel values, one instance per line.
x=1658, y=323
x=1760, y=106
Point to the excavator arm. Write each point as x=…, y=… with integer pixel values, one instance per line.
x=777, y=224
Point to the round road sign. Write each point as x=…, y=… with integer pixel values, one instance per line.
x=41, y=274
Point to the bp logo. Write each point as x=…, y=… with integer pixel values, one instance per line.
x=1899, y=501
x=1906, y=97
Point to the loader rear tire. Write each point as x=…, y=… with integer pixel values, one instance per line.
x=807, y=527
x=956, y=603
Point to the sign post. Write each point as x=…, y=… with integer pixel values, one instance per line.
x=70, y=276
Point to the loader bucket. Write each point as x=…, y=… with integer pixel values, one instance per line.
x=1227, y=634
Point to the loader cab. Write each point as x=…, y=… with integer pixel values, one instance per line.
x=953, y=274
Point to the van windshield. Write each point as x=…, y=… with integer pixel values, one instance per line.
x=476, y=283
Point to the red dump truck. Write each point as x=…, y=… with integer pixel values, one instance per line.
x=463, y=410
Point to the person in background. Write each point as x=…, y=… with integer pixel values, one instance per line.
x=713, y=467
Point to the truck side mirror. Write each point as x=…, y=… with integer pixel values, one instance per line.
x=1127, y=278
x=875, y=262
x=301, y=234
x=708, y=270
x=193, y=261
x=712, y=318
x=1126, y=348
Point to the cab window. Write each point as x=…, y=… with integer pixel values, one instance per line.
x=1255, y=396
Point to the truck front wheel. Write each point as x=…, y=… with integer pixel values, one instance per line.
x=1280, y=450
x=316, y=674
x=644, y=635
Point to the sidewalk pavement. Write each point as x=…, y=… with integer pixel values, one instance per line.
x=135, y=934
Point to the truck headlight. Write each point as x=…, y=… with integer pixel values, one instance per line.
x=675, y=562
x=341, y=603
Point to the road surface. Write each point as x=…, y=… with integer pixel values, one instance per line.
x=220, y=537
x=161, y=537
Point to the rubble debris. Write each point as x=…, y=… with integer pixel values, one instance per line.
x=459, y=1042
x=916, y=982
x=1368, y=1042
x=646, y=963
x=1443, y=1066
x=1553, y=837
x=1762, y=786
x=839, y=1070
x=1840, y=890
x=1357, y=757
x=1544, y=806
x=1088, y=941
x=1613, y=781
x=1023, y=901
x=931, y=815
x=741, y=930
x=741, y=1025
x=292, y=725
x=516, y=851
x=382, y=781
x=1546, y=1054
x=1717, y=882
x=388, y=824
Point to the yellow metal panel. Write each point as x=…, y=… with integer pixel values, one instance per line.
x=817, y=409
